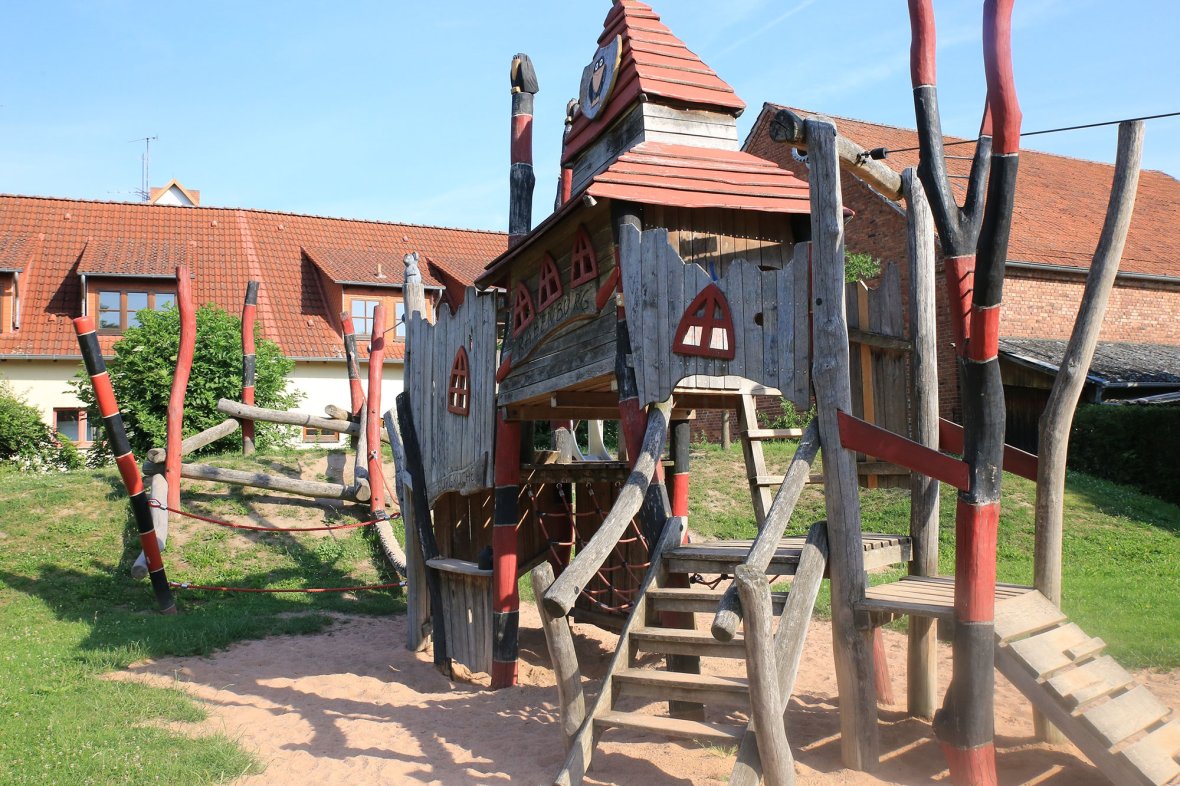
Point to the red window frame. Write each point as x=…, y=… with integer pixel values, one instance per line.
x=707, y=314
x=459, y=387
x=549, y=286
x=583, y=259
x=523, y=311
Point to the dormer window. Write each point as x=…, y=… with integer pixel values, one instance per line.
x=583, y=260
x=361, y=307
x=117, y=309
x=523, y=312
x=459, y=388
x=549, y=288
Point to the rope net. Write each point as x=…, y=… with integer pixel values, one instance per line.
x=615, y=584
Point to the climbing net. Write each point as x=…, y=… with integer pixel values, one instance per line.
x=605, y=592
x=155, y=503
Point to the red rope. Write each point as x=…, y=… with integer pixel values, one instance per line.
x=186, y=585
x=155, y=503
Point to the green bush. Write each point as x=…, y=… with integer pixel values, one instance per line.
x=1129, y=444
x=144, y=363
x=860, y=267
x=27, y=442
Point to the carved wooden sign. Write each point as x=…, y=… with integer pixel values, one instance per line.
x=450, y=377
x=751, y=323
x=598, y=78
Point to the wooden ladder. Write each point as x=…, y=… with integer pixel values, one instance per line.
x=762, y=483
x=1115, y=721
x=632, y=681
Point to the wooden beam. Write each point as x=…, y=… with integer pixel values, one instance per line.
x=855, y=434
x=418, y=622
x=198, y=441
x=787, y=127
x=235, y=477
x=869, y=338
x=289, y=418
x=1016, y=461
x=563, y=656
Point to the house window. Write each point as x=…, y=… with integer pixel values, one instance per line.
x=118, y=308
x=362, y=315
x=319, y=436
x=583, y=260
x=549, y=288
x=459, y=389
x=399, y=313
x=74, y=425
x=706, y=329
x=523, y=312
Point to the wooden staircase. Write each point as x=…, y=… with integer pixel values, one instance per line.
x=1116, y=722
x=635, y=680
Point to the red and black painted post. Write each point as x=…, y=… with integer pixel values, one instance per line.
x=521, y=178
x=975, y=242
x=373, y=418
x=112, y=421
x=184, y=367
x=506, y=516
x=249, y=363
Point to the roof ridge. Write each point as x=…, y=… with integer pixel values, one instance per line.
x=262, y=211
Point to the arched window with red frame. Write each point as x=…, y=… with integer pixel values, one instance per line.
x=549, y=287
x=523, y=312
x=459, y=388
x=706, y=329
x=583, y=260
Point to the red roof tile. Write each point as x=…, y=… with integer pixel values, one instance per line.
x=1060, y=201
x=695, y=177
x=224, y=248
x=16, y=251
x=655, y=63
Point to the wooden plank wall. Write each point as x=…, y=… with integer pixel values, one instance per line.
x=713, y=238
x=458, y=448
x=658, y=287
x=880, y=359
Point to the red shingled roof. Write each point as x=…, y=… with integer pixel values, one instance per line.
x=16, y=251
x=223, y=248
x=655, y=63
x=1060, y=201
x=695, y=177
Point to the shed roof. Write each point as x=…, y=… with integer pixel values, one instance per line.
x=655, y=63
x=1116, y=364
x=223, y=247
x=1060, y=201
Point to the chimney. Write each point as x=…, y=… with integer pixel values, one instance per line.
x=521, y=178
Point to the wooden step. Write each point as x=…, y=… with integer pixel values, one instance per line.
x=673, y=641
x=670, y=727
x=1090, y=681
x=772, y=433
x=932, y=596
x=722, y=556
x=1155, y=755
x=698, y=599
x=1116, y=720
x=1049, y=652
x=673, y=686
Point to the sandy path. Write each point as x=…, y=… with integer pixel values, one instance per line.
x=352, y=706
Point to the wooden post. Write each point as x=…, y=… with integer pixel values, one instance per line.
x=1053, y=445
x=356, y=397
x=726, y=437
x=851, y=630
x=922, y=653
x=521, y=177
x=564, y=592
x=766, y=703
x=506, y=516
x=112, y=421
x=248, y=363
x=564, y=658
x=729, y=610
x=677, y=481
x=158, y=491
x=243, y=412
x=867, y=391
x=425, y=530
x=184, y=367
x=417, y=593
x=372, y=434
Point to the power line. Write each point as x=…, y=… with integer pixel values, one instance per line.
x=886, y=151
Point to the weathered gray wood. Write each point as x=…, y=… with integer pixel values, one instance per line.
x=729, y=611
x=788, y=643
x=922, y=663
x=336, y=413
x=774, y=753
x=562, y=594
x=755, y=459
x=417, y=594
x=247, y=412
x=659, y=286
x=578, y=760
x=413, y=292
x=159, y=491
x=198, y=441
x=1057, y=418
x=789, y=128
x=851, y=630
x=235, y=477
x=564, y=658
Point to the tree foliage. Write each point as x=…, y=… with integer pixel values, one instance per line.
x=144, y=363
x=26, y=441
x=860, y=266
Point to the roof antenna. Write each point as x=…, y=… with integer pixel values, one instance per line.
x=146, y=160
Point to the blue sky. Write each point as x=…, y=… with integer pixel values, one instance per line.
x=399, y=111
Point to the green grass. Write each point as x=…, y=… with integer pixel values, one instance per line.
x=1121, y=565
x=69, y=612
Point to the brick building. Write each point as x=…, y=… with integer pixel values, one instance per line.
x=1060, y=206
